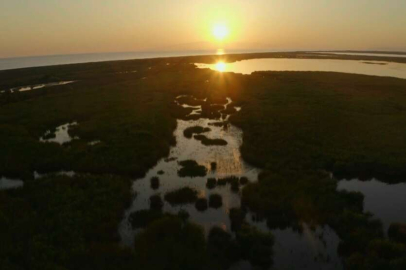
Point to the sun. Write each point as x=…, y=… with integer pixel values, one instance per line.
x=220, y=31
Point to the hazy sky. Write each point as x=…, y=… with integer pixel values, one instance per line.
x=41, y=27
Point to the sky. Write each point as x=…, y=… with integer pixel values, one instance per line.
x=48, y=27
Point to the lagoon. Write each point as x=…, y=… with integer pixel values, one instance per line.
x=372, y=68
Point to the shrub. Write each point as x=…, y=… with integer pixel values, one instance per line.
x=201, y=204
x=181, y=196
x=237, y=217
x=169, y=243
x=190, y=131
x=211, y=183
x=191, y=168
x=155, y=202
x=142, y=218
x=154, y=183
x=244, y=180
x=210, y=142
x=215, y=201
x=183, y=215
x=397, y=232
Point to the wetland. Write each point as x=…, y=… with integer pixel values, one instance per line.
x=180, y=166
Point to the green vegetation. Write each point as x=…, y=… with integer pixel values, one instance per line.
x=155, y=202
x=60, y=222
x=181, y=196
x=222, y=248
x=215, y=201
x=249, y=244
x=201, y=204
x=256, y=246
x=213, y=166
x=397, y=232
x=129, y=115
x=210, y=142
x=170, y=243
x=237, y=218
x=142, y=218
x=244, y=180
x=297, y=126
x=211, y=183
x=183, y=215
x=191, y=168
x=190, y=131
x=154, y=182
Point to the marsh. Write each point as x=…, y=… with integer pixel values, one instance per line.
x=291, y=137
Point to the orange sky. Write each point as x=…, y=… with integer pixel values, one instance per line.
x=41, y=27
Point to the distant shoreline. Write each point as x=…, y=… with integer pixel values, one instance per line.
x=7, y=64
x=56, y=60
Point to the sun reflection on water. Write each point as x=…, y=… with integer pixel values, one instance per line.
x=221, y=66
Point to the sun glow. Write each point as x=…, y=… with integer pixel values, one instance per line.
x=221, y=66
x=220, y=31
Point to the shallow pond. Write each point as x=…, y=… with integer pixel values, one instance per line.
x=377, y=68
x=6, y=183
x=386, y=202
x=60, y=135
x=309, y=249
x=36, y=86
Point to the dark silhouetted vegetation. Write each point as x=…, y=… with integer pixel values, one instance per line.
x=183, y=215
x=154, y=182
x=155, y=202
x=211, y=183
x=190, y=131
x=201, y=204
x=215, y=201
x=210, y=142
x=244, y=180
x=61, y=222
x=142, y=218
x=237, y=218
x=181, y=196
x=397, y=232
x=297, y=126
x=169, y=243
x=191, y=168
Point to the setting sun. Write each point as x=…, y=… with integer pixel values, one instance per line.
x=220, y=31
